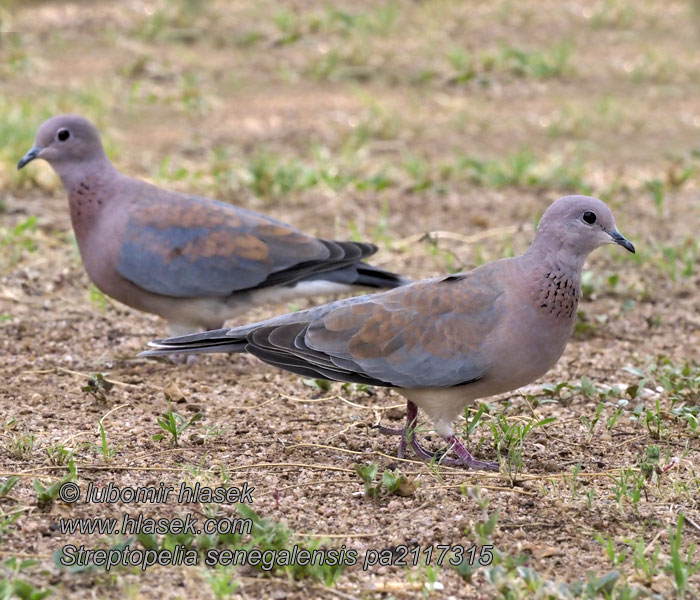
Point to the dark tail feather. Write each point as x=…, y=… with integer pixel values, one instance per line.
x=374, y=277
x=197, y=343
x=361, y=274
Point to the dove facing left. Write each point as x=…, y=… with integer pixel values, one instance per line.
x=194, y=261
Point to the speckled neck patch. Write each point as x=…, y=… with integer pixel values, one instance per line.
x=556, y=293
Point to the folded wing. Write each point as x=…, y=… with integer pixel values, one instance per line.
x=433, y=333
x=186, y=246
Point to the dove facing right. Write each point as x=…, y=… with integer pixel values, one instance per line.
x=441, y=343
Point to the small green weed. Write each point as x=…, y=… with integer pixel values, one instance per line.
x=392, y=481
x=175, y=424
x=509, y=440
x=98, y=386
x=47, y=494
x=12, y=586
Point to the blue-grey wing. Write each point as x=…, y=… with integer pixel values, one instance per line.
x=186, y=246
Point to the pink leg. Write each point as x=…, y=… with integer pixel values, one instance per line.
x=465, y=458
x=391, y=430
x=411, y=419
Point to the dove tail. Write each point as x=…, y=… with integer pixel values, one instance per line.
x=374, y=277
x=197, y=343
x=361, y=274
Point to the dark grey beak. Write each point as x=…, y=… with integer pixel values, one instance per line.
x=29, y=156
x=618, y=238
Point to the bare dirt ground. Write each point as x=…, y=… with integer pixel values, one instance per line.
x=381, y=121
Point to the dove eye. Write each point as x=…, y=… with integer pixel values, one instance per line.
x=589, y=217
x=63, y=134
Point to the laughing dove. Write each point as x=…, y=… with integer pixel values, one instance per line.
x=194, y=261
x=441, y=343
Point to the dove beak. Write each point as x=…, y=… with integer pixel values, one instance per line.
x=29, y=156
x=618, y=238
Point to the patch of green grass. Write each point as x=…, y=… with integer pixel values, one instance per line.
x=334, y=22
x=13, y=586
x=680, y=381
x=380, y=20
x=377, y=124
x=509, y=439
x=649, y=462
x=175, y=424
x=15, y=242
x=223, y=582
x=628, y=488
x=681, y=385
x=613, y=14
x=576, y=120
x=59, y=455
x=271, y=176
x=289, y=26
x=192, y=95
x=646, y=564
x=18, y=443
x=679, y=567
x=347, y=60
x=7, y=520
x=97, y=298
x=16, y=58
x=651, y=418
x=268, y=535
x=46, y=494
x=472, y=421
x=98, y=386
x=105, y=448
x=7, y=486
x=393, y=482
x=509, y=576
x=680, y=260
x=320, y=384
x=554, y=61
x=176, y=21
x=691, y=414
x=551, y=62
x=656, y=190
x=595, y=284
x=464, y=66
x=522, y=169
x=268, y=176
x=655, y=67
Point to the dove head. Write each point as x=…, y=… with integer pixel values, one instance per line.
x=573, y=226
x=66, y=142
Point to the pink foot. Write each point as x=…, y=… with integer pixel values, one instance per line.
x=408, y=436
